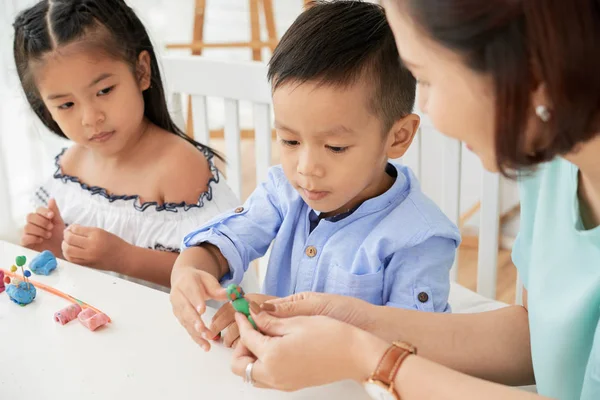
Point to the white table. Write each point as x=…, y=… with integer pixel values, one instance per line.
x=143, y=354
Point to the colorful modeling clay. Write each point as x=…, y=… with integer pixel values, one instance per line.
x=21, y=292
x=49, y=289
x=43, y=264
x=67, y=314
x=236, y=295
x=91, y=319
x=2, y=286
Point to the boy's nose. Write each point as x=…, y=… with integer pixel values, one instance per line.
x=308, y=165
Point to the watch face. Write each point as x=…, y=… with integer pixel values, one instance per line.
x=377, y=391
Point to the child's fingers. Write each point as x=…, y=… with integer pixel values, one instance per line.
x=53, y=208
x=75, y=240
x=222, y=318
x=188, y=317
x=29, y=240
x=72, y=253
x=213, y=289
x=39, y=220
x=231, y=335
x=34, y=230
x=196, y=337
x=79, y=230
x=185, y=310
x=44, y=212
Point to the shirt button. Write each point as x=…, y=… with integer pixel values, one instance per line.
x=311, y=251
x=239, y=210
x=423, y=297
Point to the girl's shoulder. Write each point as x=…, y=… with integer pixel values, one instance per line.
x=67, y=162
x=184, y=170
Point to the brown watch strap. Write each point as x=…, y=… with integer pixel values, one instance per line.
x=390, y=363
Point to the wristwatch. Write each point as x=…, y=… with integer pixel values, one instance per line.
x=380, y=385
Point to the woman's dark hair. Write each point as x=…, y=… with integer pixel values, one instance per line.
x=520, y=44
x=110, y=25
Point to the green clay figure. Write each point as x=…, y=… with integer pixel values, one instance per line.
x=235, y=294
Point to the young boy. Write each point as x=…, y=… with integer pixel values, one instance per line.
x=344, y=219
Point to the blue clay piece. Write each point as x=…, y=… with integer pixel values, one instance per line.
x=43, y=264
x=22, y=294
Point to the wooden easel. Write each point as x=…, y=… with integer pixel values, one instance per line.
x=255, y=43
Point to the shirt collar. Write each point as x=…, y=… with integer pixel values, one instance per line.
x=383, y=200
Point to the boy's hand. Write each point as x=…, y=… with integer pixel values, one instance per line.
x=44, y=230
x=93, y=247
x=225, y=318
x=190, y=289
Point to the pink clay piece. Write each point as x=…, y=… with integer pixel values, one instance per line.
x=67, y=314
x=91, y=319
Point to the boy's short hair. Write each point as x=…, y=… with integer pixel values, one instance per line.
x=339, y=42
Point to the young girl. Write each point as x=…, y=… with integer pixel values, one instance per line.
x=133, y=184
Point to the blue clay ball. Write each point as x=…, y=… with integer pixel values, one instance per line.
x=22, y=294
x=43, y=264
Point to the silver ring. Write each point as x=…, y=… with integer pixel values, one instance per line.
x=248, y=378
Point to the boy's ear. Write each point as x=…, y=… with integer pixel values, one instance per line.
x=144, y=70
x=401, y=135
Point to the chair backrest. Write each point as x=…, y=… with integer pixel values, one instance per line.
x=450, y=173
x=200, y=78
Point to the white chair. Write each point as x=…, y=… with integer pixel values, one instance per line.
x=201, y=77
x=234, y=82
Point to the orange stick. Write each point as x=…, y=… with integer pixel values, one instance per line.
x=56, y=292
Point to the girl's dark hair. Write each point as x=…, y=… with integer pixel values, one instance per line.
x=520, y=44
x=109, y=24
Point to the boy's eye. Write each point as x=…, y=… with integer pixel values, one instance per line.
x=290, y=143
x=337, y=149
x=106, y=91
x=66, y=106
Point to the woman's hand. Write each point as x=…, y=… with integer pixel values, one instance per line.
x=301, y=352
x=224, y=319
x=346, y=309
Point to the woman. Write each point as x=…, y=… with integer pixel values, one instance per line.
x=519, y=82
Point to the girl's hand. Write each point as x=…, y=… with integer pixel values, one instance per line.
x=190, y=289
x=224, y=318
x=304, y=351
x=44, y=230
x=94, y=247
x=346, y=309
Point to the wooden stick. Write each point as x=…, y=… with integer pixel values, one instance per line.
x=270, y=22
x=57, y=292
x=255, y=30
x=469, y=213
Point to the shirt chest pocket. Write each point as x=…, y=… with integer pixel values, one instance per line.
x=368, y=287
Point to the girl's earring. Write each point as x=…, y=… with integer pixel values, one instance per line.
x=543, y=113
